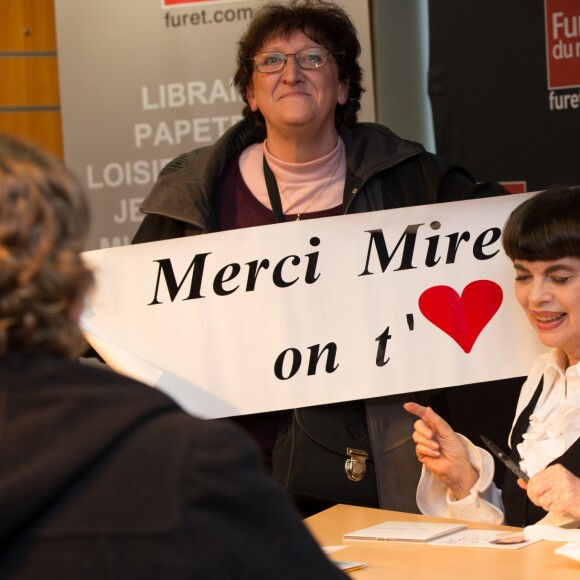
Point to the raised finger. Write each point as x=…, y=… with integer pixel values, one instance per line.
x=415, y=409
x=423, y=428
x=420, y=439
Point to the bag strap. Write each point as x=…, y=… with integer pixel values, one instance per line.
x=273, y=192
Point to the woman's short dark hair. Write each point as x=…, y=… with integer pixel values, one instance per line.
x=326, y=24
x=44, y=220
x=545, y=227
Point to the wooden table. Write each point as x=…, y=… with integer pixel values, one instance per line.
x=398, y=561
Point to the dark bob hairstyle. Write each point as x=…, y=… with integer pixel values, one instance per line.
x=323, y=22
x=545, y=227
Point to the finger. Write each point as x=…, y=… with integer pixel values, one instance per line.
x=557, y=507
x=538, y=485
x=420, y=439
x=415, y=409
x=423, y=451
x=522, y=483
x=550, y=504
x=423, y=428
x=428, y=416
x=436, y=422
x=539, y=495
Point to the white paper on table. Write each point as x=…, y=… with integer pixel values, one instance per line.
x=556, y=533
x=552, y=533
x=481, y=539
x=331, y=549
x=570, y=550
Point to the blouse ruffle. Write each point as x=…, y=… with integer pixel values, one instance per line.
x=555, y=422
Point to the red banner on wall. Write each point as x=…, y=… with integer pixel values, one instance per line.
x=563, y=43
x=167, y=3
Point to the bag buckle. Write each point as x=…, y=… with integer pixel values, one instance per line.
x=355, y=466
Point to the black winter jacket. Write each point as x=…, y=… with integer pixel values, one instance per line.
x=104, y=478
x=383, y=172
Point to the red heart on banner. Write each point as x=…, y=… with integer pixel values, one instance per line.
x=462, y=317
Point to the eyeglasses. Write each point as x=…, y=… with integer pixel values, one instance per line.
x=307, y=58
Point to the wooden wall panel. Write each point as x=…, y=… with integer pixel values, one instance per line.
x=40, y=127
x=27, y=25
x=33, y=81
x=29, y=93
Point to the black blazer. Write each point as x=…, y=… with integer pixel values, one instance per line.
x=519, y=510
x=102, y=477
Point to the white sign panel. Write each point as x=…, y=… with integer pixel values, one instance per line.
x=315, y=311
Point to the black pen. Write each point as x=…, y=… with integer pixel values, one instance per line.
x=505, y=459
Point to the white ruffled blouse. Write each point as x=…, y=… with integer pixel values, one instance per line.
x=555, y=422
x=554, y=427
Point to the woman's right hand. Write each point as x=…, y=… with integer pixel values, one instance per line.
x=442, y=451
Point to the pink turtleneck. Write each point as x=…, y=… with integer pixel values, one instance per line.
x=304, y=187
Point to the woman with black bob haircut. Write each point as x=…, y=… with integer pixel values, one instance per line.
x=545, y=227
x=542, y=238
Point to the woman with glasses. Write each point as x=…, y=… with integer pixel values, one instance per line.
x=299, y=153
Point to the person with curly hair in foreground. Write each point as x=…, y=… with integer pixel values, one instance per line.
x=101, y=476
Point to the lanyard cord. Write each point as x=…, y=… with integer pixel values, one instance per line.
x=273, y=192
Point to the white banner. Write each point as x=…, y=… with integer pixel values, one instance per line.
x=315, y=311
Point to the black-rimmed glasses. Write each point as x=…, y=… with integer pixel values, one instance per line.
x=308, y=58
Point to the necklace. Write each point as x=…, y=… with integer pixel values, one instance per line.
x=275, y=188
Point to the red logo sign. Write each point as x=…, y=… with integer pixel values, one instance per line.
x=563, y=43
x=167, y=3
x=515, y=186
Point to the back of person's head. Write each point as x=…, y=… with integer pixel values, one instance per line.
x=43, y=223
x=545, y=227
x=323, y=22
